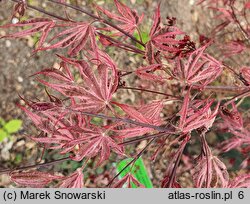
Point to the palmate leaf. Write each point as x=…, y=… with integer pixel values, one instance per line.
x=55, y=128
x=71, y=133
x=165, y=39
x=128, y=19
x=196, y=114
x=148, y=114
x=43, y=25
x=199, y=68
x=232, y=118
x=241, y=136
x=233, y=48
x=128, y=180
x=242, y=181
x=210, y=171
x=96, y=92
x=75, y=37
x=233, y=122
x=33, y=179
x=100, y=144
x=168, y=39
x=75, y=180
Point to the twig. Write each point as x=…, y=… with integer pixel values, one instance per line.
x=243, y=31
x=6, y=171
x=236, y=74
x=122, y=45
x=145, y=137
x=132, y=161
x=241, y=95
x=225, y=88
x=125, y=120
x=150, y=91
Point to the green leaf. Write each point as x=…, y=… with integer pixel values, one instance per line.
x=97, y=121
x=18, y=158
x=3, y=135
x=13, y=126
x=2, y=122
x=145, y=38
x=139, y=171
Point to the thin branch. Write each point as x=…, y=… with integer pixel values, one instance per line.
x=125, y=74
x=236, y=74
x=150, y=91
x=241, y=95
x=225, y=88
x=243, y=31
x=121, y=45
x=131, y=162
x=6, y=171
x=125, y=120
x=144, y=137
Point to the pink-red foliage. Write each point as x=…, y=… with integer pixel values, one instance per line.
x=87, y=83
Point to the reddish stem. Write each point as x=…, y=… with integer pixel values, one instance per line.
x=125, y=120
x=241, y=95
x=131, y=162
x=6, y=171
x=243, y=31
x=121, y=45
x=150, y=91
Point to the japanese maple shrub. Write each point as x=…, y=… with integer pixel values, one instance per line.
x=172, y=108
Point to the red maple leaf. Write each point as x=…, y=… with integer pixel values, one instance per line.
x=241, y=136
x=147, y=114
x=97, y=142
x=69, y=132
x=196, y=114
x=200, y=68
x=75, y=37
x=43, y=25
x=210, y=172
x=128, y=180
x=233, y=122
x=233, y=48
x=166, y=39
x=94, y=94
x=128, y=19
x=232, y=118
x=75, y=180
x=242, y=181
x=32, y=179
